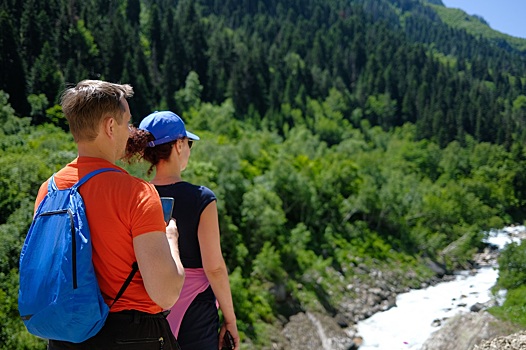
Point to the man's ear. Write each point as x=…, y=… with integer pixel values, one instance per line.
x=108, y=126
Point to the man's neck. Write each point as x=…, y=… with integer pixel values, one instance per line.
x=93, y=150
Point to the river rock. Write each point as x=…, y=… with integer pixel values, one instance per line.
x=317, y=331
x=464, y=331
x=438, y=269
x=516, y=341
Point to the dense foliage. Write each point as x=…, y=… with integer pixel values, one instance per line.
x=334, y=133
x=512, y=280
x=295, y=213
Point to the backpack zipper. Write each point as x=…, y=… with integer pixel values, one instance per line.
x=73, y=240
x=73, y=248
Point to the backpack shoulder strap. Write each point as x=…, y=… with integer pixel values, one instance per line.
x=90, y=175
x=51, y=185
x=135, y=268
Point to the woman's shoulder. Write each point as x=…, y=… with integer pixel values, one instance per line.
x=186, y=189
x=202, y=191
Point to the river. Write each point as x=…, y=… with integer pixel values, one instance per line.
x=417, y=312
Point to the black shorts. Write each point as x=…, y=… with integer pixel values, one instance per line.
x=200, y=325
x=131, y=330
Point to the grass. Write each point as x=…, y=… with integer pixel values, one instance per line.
x=513, y=309
x=459, y=19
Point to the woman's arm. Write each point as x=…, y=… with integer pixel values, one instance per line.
x=215, y=269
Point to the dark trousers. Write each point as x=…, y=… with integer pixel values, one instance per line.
x=130, y=330
x=200, y=325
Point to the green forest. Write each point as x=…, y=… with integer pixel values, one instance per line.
x=335, y=134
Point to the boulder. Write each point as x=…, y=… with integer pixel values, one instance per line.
x=464, y=331
x=317, y=331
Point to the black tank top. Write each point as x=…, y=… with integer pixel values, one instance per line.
x=190, y=201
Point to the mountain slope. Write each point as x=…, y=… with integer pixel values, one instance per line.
x=477, y=26
x=394, y=61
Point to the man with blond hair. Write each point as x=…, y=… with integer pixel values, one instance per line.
x=126, y=221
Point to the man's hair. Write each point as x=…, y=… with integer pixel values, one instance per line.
x=89, y=102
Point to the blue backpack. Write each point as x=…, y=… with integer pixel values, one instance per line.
x=59, y=296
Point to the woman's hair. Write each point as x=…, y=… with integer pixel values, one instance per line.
x=137, y=148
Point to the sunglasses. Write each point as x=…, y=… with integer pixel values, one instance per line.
x=190, y=143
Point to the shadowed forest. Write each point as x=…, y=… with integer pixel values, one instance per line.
x=334, y=134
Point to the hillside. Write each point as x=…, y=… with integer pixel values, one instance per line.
x=350, y=144
x=477, y=26
x=394, y=61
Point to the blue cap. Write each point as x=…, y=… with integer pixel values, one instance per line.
x=165, y=126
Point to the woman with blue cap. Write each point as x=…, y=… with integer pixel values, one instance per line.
x=163, y=141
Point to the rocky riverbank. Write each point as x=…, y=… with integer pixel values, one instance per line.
x=375, y=290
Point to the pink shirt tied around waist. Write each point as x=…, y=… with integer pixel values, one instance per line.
x=195, y=282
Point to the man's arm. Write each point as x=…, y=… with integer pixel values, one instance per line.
x=158, y=258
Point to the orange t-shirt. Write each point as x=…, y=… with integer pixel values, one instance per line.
x=119, y=207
